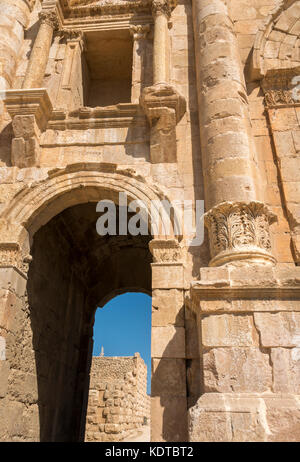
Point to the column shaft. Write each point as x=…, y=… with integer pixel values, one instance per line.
x=139, y=34
x=227, y=147
x=14, y=18
x=161, y=13
x=40, y=52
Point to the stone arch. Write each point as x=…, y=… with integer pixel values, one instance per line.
x=34, y=206
x=58, y=291
x=277, y=43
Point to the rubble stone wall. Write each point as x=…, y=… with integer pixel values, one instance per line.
x=118, y=402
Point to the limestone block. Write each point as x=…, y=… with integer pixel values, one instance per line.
x=112, y=428
x=4, y=372
x=168, y=342
x=168, y=276
x=168, y=377
x=286, y=370
x=278, y=329
x=228, y=330
x=167, y=307
x=168, y=419
x=283, y=418
x=236, y=370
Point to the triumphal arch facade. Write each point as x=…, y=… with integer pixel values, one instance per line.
x=163, y=100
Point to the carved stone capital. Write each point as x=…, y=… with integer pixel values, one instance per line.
x=161, y=7
x=139, y=32
x=71, y=34
x=50, y=18
x=239, y=233
x=166, y=251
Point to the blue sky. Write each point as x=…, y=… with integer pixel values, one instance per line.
x=123, y=327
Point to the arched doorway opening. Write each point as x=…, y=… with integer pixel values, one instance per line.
x=120, y=375
x=73, y=270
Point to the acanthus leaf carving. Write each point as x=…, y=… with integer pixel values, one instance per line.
x=238, y=227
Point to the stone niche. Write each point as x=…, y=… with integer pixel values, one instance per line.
x=107, y=68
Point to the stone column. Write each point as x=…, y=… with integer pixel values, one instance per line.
x=139, y=34
x=40, y=52
x=161, y=14
x=237, y=222
x=14, y=19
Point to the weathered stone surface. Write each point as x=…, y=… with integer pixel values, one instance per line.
x=278, y=329
x=168, y=342
x=237, y=370
x=205, y=109
x=286, y=370
x=122, y=406
x=167, y=308
x=168, y=377
x=168, y=419
x=228, y=330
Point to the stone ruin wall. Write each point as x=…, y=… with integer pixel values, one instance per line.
x=118, y=403
x=225, y=340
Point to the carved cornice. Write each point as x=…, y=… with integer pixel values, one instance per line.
x=85, y=8
x=247, y=292
x=120, y=115
x=239, y=232
x=34, y=102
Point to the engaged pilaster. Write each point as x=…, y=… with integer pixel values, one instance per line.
x=40, y=52
x=139, y=34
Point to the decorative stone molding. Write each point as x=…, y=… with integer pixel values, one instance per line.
x=281, y=88
x=139, y=32
x=161, y=7
x=239, y=232
x=166, y=251
x=164, y=107
x=30, y=111
x=73, y=35
x=283, y=22
x=83, y=8
x=50, y=18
